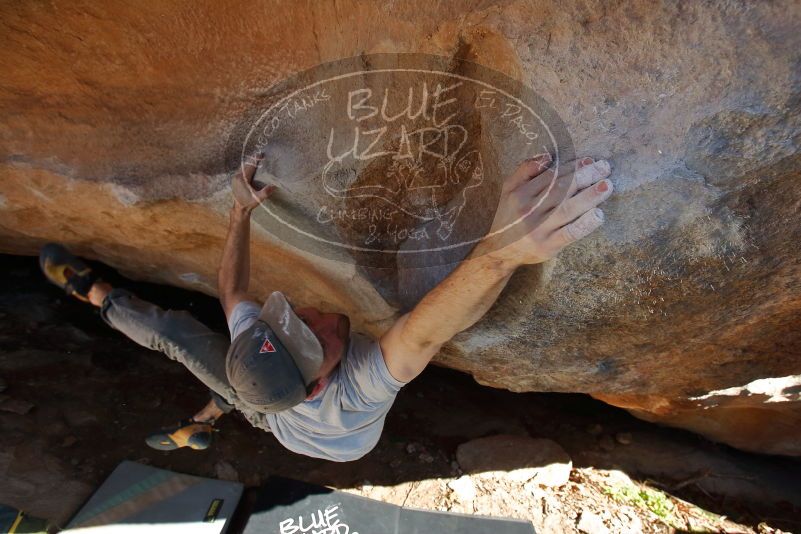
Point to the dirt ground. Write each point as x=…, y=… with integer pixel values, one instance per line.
x=78, y=398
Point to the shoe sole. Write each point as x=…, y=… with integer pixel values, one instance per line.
x=185, y=436
x=54, y=259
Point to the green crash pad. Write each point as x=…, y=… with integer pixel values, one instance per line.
x=140, y=498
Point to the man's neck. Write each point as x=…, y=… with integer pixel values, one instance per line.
x=321, y=385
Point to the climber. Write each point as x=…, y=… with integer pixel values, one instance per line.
x=299, y=372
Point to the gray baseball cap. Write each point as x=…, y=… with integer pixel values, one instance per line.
x=273, y=364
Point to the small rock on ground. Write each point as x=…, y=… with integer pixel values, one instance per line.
x=624, y=438
x=606, y=443
x=464, y=488
x=595, y=430
x=590, y=523
x=517, y=458
x=17, y=406
x=226, y=471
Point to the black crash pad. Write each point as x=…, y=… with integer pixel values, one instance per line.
x=284, y=506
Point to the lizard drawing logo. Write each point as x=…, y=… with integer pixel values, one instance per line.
x=393, y=158
x=427, y=165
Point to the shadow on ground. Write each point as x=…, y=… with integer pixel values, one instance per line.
x=80, y=398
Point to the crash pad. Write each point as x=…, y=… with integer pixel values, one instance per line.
x=140, y=498
x=13, y=521
x=285, y=506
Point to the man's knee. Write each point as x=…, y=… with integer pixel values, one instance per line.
x=221, y=403
x=155, y=328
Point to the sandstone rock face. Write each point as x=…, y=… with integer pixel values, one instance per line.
x=115, y=139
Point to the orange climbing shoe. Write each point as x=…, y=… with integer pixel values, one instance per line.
x=66, y=271
x=189, y=433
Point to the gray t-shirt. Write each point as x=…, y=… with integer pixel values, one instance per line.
x=343, y=421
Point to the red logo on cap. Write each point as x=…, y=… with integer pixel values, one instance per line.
x=266, y=346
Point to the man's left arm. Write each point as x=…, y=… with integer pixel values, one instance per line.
x=465, y=295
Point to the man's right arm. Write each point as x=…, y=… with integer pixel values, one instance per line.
x=233, y=276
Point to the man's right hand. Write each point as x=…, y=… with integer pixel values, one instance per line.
x=246, y=196
x=539, y=213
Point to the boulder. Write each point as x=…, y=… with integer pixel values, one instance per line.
x=119, y=128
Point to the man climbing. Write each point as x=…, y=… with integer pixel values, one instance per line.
x=299, y=372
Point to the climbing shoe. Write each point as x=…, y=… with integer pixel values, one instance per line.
x=68, y=272
x=187, y=433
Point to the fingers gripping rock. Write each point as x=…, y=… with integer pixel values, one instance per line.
x=528, y=169
x=589, y=174
x=580, y=228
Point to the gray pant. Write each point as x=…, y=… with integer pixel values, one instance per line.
x=178, y=335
